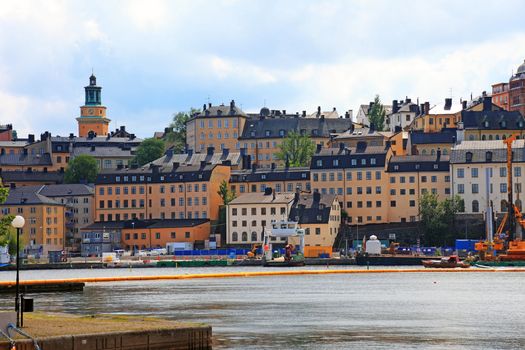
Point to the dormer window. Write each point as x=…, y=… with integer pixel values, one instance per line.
x=252, y=133
x=282, y=132
x=486, y=123
x=315, y=132
x=503, y=124
x=396, y=167
x=436, y=166
x=468, y=157
x=335, y=162
x=267, y=133
x=520, y=124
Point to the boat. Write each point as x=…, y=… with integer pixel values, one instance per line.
x=446, y=263
x=285, y=229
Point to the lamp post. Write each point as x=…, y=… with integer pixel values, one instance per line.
x=18, y=222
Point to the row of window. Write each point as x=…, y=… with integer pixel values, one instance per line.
x=143, y=235
x=262, y=211
x=475, y=188
x=141, y=189
x=335, y=162
x=163, y=215
x=162, y=202
x=221, y=123
x=359, y=219
x=254, y=237
x=278, y=187
x=474, y=172
x=219, y=135
x=32, y=210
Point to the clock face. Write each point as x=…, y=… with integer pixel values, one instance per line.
x=91, y=111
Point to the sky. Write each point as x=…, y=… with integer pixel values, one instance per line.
x=156, y=58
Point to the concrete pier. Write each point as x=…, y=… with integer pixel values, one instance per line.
x=65, y=332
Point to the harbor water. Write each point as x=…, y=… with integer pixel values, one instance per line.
x=344, y=311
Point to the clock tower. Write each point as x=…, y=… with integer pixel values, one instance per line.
x=92, y=113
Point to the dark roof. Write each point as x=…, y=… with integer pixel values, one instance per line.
x=360, y=133
x=280, y=127
x=26, y=160
x=362, y=156
x=167, y=160
x=156, y=174
x=103, y=151
x=220, y=111
x=421, y=138
x=28, y=195
x=418, y=163
x=265, y=174
x=487, y=152
x=66, y=190
x=152, y=223
x=34, y=176
x=307, y=210
x=492, y=120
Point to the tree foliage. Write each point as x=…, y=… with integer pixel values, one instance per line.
x=377, y=114
x=226, y=194
x=7, y=232
x=296, y=149
x=438, y=218
x=149, y=150
x=176, y=137
x=82, y=168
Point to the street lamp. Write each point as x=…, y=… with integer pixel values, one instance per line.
x=18, y=222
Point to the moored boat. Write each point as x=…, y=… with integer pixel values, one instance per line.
x=446, y=263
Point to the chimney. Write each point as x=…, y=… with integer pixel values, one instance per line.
x=71, y=136
x=422, y=109
x=284, y=111
x=122, y=128
x=203, y=163
x=448, y=103
x=464, y=104
x=334, y=109
x=132, y=136
x=209, y=104
x=232, y=107
x=427, y=107
x=318, y=111
x=317, y=196
x=225, y=152
x=487, y=103
x=273, y=166
x=304, y=114
x=407, y=100
x=395, y=108
x=30, y=138
x=204, y=107
x=438, y=154
x=210, y=150
x=318, y=149
x=175, y=165
x=341, y=146
x=347, y=115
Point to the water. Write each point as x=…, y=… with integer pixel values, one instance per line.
x=364, y=311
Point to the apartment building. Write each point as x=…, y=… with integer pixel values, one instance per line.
x=170, y=191
x=357, y=177
x=216, y=126
x=469, y=163
x=250, y=213
x=280, y=179
x=354, y=135
x=320, y=217
x=79, y=202
x=429, y=143
x=45, y=218
x=438, y=117
x=409, y=177
x=402, y=115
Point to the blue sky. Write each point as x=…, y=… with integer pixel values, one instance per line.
x=154, y=58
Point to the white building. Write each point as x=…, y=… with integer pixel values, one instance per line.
x=469, y=162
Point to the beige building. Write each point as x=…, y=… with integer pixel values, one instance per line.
x=248, y=215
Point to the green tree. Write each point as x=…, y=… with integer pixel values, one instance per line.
x=7, y=232
x=377, y=114
x=176, y=137
x=81, y=168
x=149, y=150
x=438, y=218
x=296, y=149
x=226, y=194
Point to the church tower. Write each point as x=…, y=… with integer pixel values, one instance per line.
x=92, y=113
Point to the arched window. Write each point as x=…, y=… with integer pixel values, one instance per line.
x=432, y=152
x=235, y=237
x=497, y=137
x=254, y=236
x=518, y=204
x=471, y=137
x=483, y=137
x=504, y=205
x=244, y=236
x=445, y=151
x=490, y=137
x=475, y=206
x=424, y=151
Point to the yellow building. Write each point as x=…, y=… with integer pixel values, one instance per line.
x=216, y=126
x=44, y=227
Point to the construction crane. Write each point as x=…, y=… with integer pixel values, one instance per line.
x=510, y=202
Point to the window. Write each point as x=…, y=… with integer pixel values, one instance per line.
x=502, y=172
x=378, y=175
x=359, y=176
x=517, y=171
x=475, y=188
x=460, y=172
x=474, y=172
x=433, y=178
x=244, y=236
x=475, y=206
x=392, y=204
x=317, y=230
x=412, y=203
x=504, y=207
x=378, y=204
x=503, y=188
x=369, y=175
x=392, y=180
x=461, y=188
x=412, y=179
x=402, y=179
